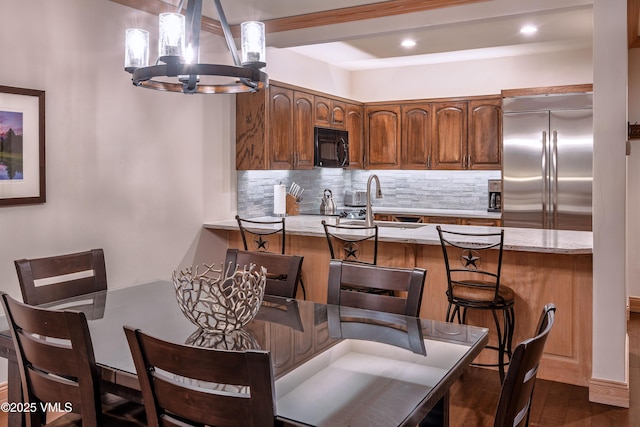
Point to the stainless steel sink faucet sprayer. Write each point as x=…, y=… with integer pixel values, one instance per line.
x=369, y=214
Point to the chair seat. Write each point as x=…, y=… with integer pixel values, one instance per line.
x=480, y=292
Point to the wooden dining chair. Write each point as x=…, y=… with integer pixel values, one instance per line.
x=517, y=390
x=353, y=243
x=193, y=386
x=57, y=366
x=473, y=262
x=349, y=283
x=44, y=280
x=283, y=271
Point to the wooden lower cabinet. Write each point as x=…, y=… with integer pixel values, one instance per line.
x=481, y=221
x=441, y=220
x=490, y=222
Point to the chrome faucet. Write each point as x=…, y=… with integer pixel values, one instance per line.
x=368, y=221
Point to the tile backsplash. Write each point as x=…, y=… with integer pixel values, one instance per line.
x=463, y=190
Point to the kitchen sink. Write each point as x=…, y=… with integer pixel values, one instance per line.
x=386, y=224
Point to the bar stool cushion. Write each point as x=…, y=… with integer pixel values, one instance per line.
x=476, y=292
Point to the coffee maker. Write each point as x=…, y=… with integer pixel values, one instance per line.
x=495, y=195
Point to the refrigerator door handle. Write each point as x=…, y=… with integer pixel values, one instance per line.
x=554, y=178
x=545, y=182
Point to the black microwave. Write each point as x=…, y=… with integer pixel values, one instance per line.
x=331, y=148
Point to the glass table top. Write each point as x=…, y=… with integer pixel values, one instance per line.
x=332, y=365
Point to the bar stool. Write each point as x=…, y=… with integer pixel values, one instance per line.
x=348, y=242
x=263, y=238
x=473, y=262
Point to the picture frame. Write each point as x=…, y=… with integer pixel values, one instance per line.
x=22, y=146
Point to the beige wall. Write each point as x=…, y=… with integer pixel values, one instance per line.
x=476, y=77
x=633, y=178
x=133, y=171
x=464, y=78
x=610, y=354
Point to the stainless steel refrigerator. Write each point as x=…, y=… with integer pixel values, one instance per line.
x=548, y=161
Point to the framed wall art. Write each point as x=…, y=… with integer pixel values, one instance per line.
x=22, y=153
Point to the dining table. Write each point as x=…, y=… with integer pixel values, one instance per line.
x=332, y=365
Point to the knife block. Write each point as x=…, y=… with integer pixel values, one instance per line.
x=293, y=208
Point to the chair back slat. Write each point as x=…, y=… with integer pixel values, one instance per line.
x=184, y=385
x=517, y=390
x=180, y=405
x=43, y=280
x=49, y=356
x=359, y=278
x=55, y=357
x=49, y=389
x=283, y=271
x=372, y=301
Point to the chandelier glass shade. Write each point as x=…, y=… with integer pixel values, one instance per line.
x=178, y=69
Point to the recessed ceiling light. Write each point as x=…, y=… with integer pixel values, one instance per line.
x=528, y=29
x=408, y=43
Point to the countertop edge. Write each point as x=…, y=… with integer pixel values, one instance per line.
x=559, y=242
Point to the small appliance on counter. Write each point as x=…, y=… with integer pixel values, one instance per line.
x=355, y=198
x=495, y=195
x=327, y=205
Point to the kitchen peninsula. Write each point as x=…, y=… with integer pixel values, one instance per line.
x=540, y=265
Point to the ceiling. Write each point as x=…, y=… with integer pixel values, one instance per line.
x=366, y=34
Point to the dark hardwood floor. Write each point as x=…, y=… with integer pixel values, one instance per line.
x=475, y=396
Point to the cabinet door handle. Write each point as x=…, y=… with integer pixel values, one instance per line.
x=429, y=161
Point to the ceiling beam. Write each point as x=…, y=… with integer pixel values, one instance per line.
x=316, y=19
x=156, y=7
x=357, y=13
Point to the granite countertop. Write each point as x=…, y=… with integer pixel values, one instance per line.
x=515, y=239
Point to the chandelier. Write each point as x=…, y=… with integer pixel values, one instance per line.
x=177, y=68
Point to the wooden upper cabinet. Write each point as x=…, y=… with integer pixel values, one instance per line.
x=280, y=128
x=303, y=130
x=354, y=124
x=485, y=134
x=329, y=113
x=338, y=114
x=449, y=135
x=251, y=144
x=382, y=137
x=275, y=130
x=415, y=147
